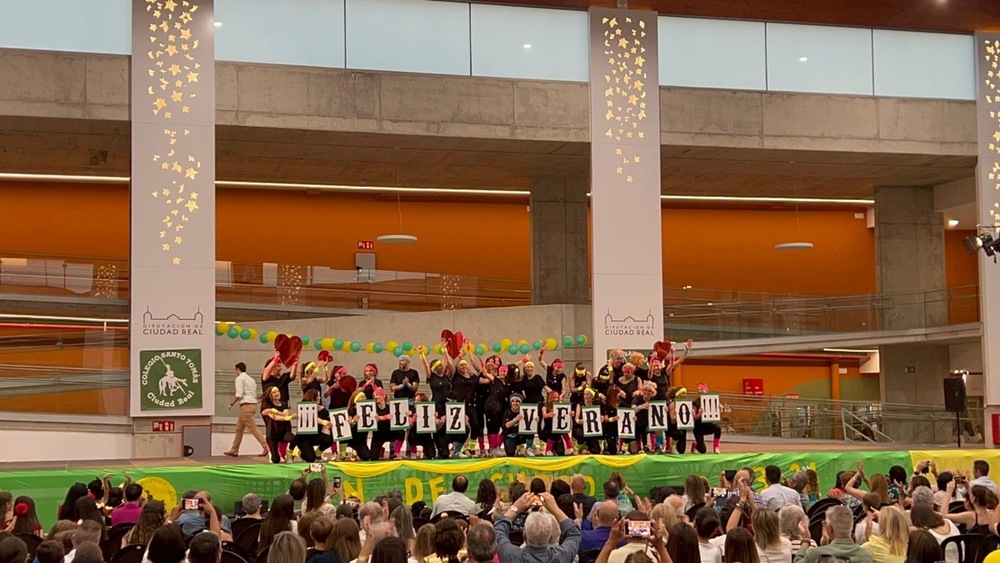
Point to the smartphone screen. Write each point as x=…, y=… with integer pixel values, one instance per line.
x=336, y=482
x=637, y=528
x=190, y=504
x=316, y=467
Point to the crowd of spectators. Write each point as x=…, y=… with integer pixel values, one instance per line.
x=924, y=517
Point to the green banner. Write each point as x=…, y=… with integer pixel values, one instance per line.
x=426, y=480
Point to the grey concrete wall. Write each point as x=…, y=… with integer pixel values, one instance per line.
x=931, y=365
x=479, y=325
x=909, y=252
x=75, y=85
x=559, y=248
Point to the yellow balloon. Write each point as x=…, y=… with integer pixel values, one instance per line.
x=993, y=557
x=271, y=335
x=505, y=343
x=327, y=343
x=238, y=328
x=253, y=334
x=551, y=344
x=391, y=345
x=347, y=346
x=437, y=348
x=370, y=347
x=521, y=342
x=221, y=327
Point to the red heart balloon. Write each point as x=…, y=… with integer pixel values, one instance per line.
x=281, y=345
x=455, y=344
x=294, y=349
x=289, y=348
x=662, y=349
x=447, y=335
x=325, y=356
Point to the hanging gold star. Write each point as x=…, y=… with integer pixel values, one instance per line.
x=174, y=70
x=618, y=152
x=619, y=170
x=623, y=43
x=165, y=246
x=639, y=60
x=177, y=261
x=191, y=206
x=163, y=234
x=166, y=192
x=192, y=77
x=171, y=50
x=159, y=103
x=185, y=34
x=636, y=159
x=628, y=179
x=178, y=240
x=170, y=5
x=177, y=167
x=194, y=195
x=191, y=173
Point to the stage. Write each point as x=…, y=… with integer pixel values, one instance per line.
x=228, y=479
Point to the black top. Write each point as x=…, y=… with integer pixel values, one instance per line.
x=507, y=417
x=464, y=389
x=629, y=388
x=662, y=382
x=280, y=381
x=440, y=388
x=383, y=425
x=397, y=378
x=497, y=400
x=610, y=412
x=369, y=389
x=641, y=416
x=555, y=381
x=533, y=389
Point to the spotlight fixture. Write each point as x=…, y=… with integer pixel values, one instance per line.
x=985, y=241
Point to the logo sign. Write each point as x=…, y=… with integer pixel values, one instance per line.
x=685, y=415
x=658, y=415
x=308, y=418
x=400, y=410
x=711, y=407
x=626, y=424
x=340, y=425
x=562, y=420
x=173, y=324
x=366, y=245
x=426, y=422
x=629, y=325
x=455, y=419
x=529, y=419
x=163, y=426
x=592, y=421
x=170, y=379
x=367, y=420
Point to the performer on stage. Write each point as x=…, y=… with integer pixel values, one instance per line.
x=494, y=407
x=554, y=443
x=702, y=429
x=581, y=381
x=274, y=376
x=556, y=381
x=464, y=384
x=533, y=389
x=439, y=381
x=383, y=434
x=661, y=378
x=313, y=376
x=278, y=425
x=359, y=440
x=609, y=419
x=511, y=420
x=309, y=443
x=628, y=382
x=674, y=433
x=371, y=381
x=592, y=443
x=424, y=441
x=640, y=402
x=403, y=382
x=638, y=361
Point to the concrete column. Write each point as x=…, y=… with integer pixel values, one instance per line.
x=559, y=273
x=909, y=251
x=988, y=212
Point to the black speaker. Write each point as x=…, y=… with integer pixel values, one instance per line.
x=954, y=394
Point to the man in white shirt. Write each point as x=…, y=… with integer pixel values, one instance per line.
x=776, y=496
x=455, y=501
x=981, y=472
x=246, y=396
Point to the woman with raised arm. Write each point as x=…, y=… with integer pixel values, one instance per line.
x=439, y=381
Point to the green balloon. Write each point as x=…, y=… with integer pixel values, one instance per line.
x=305, y=340
x=537, y=345
x=219, y=331
x=581, y=340
x=262, y=338
x=377, y=347
x=355, y=346
x=232, y=332
x=338, y=344
x=480, y=350
x=407, y=346
x=524, y=348
x=245, y=334
x=512, y=350
x=497, y=348
x=397, y=351
x=318, y=344
x=567, y=341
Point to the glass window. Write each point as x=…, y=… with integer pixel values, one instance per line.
x=304, y=32
x=514, y=42
x=702, y=53
x=94, y=26
x=815, y=58
x=408, y=36
x=924, y=65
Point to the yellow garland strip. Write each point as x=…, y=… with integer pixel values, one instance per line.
x=558, y=465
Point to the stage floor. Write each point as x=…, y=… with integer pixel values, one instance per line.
x=730, y=445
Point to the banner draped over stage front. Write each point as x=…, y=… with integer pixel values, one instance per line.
x=426, y=480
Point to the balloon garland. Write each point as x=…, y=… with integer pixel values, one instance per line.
x=397, y=349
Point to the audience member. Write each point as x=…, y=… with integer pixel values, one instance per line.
x=287, y=547
x=706, y=525
x=321, y=533
x=87, y=532
x=129, y=512
x=486, y=496
x=153, y=515
x=682, y=543
x=740, y=547
x=13, y=550
x=167, y=545
x=89, y=552
x=923, y=518
x=981, y=474
x=771, y=546
x=792, y=520
x=26, y=519
x=776, y=496
x=251, y=506
x=924, y=548
x=390, y=550
x=537, y=534
x=423, y=546
x=280, y=518
x=346, y=540
x=889, y=545
x=481, y=543
x=837, y=528
x=605, y=516
x=205, y=547
x=50, y=552
x=577, y=486
x=455, y=501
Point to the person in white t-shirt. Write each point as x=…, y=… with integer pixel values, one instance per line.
x=706, y=524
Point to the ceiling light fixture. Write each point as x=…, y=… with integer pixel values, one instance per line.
x=217, y=24
x=850, y=350
x=526, y=46
x=803, y=59
x=799, y=244
x=400, y=237
x=952, y=223
x=769, y=199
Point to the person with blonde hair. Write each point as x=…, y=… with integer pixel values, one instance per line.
x=695, y=492
x=771, y=547
x=790, y=521
x=889, y=545
x=665, y=515
x=287, y=547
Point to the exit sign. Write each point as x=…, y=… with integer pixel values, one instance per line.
x=910, y=369
x=366, y=245
x=163, y=426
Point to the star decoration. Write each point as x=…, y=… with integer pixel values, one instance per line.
x=176, y=96
x=619, y=170
x=170, y=5
x=623, y=43
x=639, y=60
x=171, y=50
x=191, y=173
x=191, y=206
x=177, y=261
x=166, y=247
x=174, y=70
x=194, y=195
x=192, y=77
x=178, y=240
x=185, y=34
x=160, y=103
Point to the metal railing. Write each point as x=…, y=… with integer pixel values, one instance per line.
x=826, y=419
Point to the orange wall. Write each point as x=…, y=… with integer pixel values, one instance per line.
x=810, y=378
x=962, y=269
x=706, y=248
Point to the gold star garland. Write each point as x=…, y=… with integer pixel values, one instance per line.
x=625, y=96
x=992, y=54
x=174, y=68
x=290, y=279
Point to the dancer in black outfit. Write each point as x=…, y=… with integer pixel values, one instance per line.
x=425, y=441
x=439, y=381
x=359, y=440
x=593, y=443
x=308, y=443
x=383, y=434
x=278, y=425
x=511, y=421
x=609, y=419
x=494, y=407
